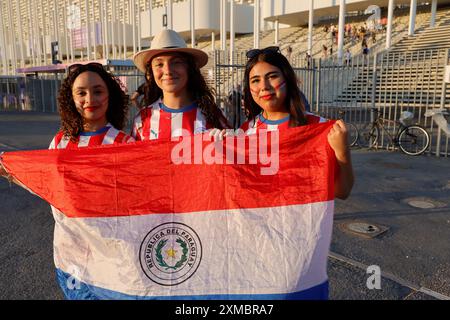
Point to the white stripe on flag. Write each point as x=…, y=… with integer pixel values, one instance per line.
x=247, y=251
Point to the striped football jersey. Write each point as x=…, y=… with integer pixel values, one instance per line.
x=259, y=123
x=106, y=135
x=157, y=121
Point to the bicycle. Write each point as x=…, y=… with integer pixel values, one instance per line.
x=351, y=128
x=412, y=139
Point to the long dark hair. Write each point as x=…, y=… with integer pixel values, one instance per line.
x=71, y=119
x=293, y=103
x=196, y=86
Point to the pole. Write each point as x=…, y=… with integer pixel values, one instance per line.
x=22, y=59
x=433, y=13
x=113, y=29
x=124, y=32
x=150, y=18
x=389, y=24
x=31, y=37
x=232, y=34
x=192, y=16
x=133, y=23
x=88, y=30
x=102, y=26
x=277, y=32
x=412, y=17
x=310, y=26
x=57, y=30
x=3, y=45
x=170, y=15
x=223, y=29
x=256, y=27
x=12, y=38
x=341, y=30
x=65, y=29
x=139, y=30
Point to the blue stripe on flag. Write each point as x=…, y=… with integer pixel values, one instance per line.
x=89, y=292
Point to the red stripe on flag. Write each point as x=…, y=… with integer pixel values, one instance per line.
x=140, y=178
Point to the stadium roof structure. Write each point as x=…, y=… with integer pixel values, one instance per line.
x=329, y=8
x=61, y=68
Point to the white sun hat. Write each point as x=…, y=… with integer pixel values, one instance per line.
x=164, y=42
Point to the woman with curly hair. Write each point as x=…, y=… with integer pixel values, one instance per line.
x=93, y=108
x=177, y=98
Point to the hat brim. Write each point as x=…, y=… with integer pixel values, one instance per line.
x=141, y=58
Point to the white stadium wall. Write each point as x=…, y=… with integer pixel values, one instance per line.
x=206, y=16
x=295, y=12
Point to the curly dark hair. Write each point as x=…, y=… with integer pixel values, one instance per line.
x=72, y=121
x=294, y=104
x=197, y=87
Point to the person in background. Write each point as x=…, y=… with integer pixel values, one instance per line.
x=136, y=96
x=324, y=51
x=348, y=57
x=289, y=53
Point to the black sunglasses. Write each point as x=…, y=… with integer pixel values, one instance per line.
x=255, y=52
x=87, y=66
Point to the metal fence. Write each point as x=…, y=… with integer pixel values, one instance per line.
x=38, y=92
x=390, y=81
x=30, y=93
x=131, y=78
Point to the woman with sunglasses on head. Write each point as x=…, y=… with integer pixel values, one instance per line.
x=93, y=108
x=177, y=98
x=272, y=101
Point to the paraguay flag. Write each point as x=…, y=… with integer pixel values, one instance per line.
x=190, y=219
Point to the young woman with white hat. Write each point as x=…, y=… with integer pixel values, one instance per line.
x=177, y=98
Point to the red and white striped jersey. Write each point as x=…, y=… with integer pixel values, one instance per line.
x=158, y=121
x=106, y=135
x=259, y=123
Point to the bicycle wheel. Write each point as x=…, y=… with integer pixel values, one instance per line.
x=352, y=134
x=413, y=140
x=368, y=137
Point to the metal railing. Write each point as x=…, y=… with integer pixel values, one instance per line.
x=392, y=82
x=38, y=92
